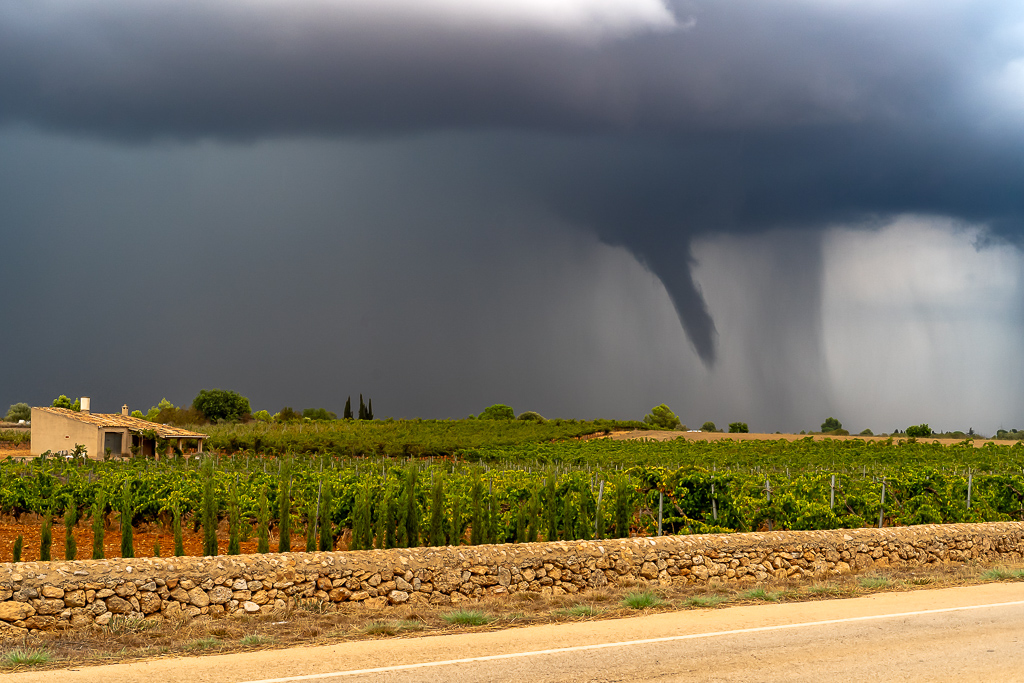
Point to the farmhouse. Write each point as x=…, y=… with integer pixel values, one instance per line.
x=60, y=430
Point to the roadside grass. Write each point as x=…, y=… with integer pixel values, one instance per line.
x=466, y=617
x=761, y=594
x=577, y=610
x=1003, y=574
x=21, y=656
x=642, y=600
x=707, y=601
x=255, y=639
x=874, y=582
x=128, y=641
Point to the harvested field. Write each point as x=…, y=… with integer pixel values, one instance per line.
x=660, y=435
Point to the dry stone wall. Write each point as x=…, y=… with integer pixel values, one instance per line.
x=77, y=595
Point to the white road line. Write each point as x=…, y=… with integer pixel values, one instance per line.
x=626, y=643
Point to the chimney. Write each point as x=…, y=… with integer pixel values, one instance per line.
x=124, y=409
x=84, y=405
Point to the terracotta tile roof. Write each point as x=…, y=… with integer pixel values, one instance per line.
x=132, y=423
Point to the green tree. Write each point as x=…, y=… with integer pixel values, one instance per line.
x=261, y=416
x=831, y=424
x=709, y=427
x=412, y=511
x=662, y=417
x=319, y=414
x=499, y=411
x=220, y=404
x=284, y=512
x=234, y=520
x=179, y=542
x=46, y=537
x=326, y=525
x=347, y=415
x=369, y=409
x=19, y=411
x=380, y=519
x=63, y=401
x=919, y=431
x=362, y=408
x=127, y=513
x=209, y=510
x=99, y=505
x=456, y=527
x=70, y=517
x=436, y=533
x=263, y=525
x=738, y=428
x=311, y=525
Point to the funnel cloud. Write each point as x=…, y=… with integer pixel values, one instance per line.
x=452, y=203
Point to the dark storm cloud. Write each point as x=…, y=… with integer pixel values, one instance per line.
x=648, y=128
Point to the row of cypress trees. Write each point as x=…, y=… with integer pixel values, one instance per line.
x=385, y=516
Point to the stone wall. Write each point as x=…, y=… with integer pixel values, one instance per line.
x=61, y=595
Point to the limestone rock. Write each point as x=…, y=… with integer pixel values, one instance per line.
x=16, y=611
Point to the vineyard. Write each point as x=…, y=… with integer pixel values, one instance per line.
x=482, y=484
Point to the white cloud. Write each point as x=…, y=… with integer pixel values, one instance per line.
x=591, y=18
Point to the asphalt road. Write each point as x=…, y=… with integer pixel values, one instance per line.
x=968, y=634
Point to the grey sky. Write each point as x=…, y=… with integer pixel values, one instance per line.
x=451, y=203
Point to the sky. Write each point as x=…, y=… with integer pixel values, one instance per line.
x=768, y=211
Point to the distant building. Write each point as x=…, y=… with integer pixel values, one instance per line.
x=59, y=430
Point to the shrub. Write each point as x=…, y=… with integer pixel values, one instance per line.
x=19, y=411
x=708, y=427
x=19, y=542
x=498, y=411
x=219, y=404
x=530, y=416
x=662, y=417
x=287, y=415
x=867, y=432
x=738, y=428
x=261, y=416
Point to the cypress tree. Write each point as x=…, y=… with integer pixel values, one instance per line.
x=362, y=408
x=599, y=524
x=263, y=525
x=284, y=514
x=436, y=534
x=209, y=510
x=326, y=527
x=156, y=548
x=381, y=518
x=391, y=534
x=362, y=522
x=412, y=511
x=311, y=526
x=46, y=537
x=521, y=529
x=585, y=511
x=70, y=518
x=127, y=513
x=568, y=532
x=623, y=506
x=347, y=415
x=234, y=520
x=179, y=542
x=533, y=528
x=18, y=543
x=98, y=530
x=551, y=508
x=456, y=528
x=476, y=532
x=369, y=409
x=490, y=533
